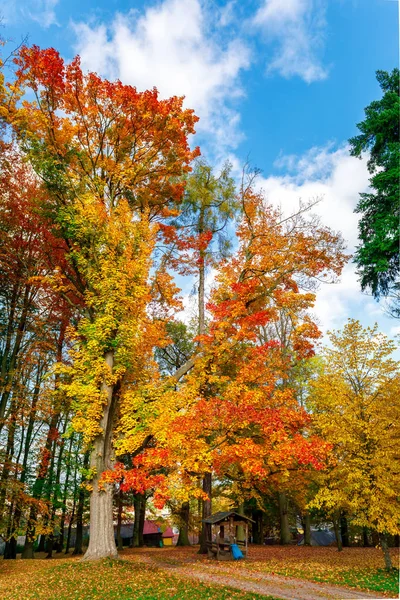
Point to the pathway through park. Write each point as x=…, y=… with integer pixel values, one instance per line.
x=284, y=588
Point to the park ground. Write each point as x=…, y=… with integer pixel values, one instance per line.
x=274, y=572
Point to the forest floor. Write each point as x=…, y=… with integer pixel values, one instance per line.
x=272, y=572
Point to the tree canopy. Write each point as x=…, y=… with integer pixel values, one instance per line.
x=378, y=255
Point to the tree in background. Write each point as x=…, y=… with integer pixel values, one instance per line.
x=378, y=256
x=355, y=402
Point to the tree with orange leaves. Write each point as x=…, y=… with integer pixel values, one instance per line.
x=235, y=412
x=111, y=159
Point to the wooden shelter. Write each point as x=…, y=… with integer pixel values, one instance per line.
x=224, y=533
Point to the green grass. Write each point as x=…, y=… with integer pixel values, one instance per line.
x=376, y=580
x=111, y=580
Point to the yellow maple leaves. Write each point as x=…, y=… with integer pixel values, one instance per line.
x=356, y=406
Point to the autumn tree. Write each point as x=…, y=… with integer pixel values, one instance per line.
x=231, y=414
x=111, y=159
x=356, y=408
x=209, y=207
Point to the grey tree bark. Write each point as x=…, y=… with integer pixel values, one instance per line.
x=384, y=543
x=101, y=532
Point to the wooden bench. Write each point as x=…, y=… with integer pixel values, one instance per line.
x=219, y=550
x=222, y=550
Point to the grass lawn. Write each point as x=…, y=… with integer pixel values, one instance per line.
x=69, y=579
x=353, y=567
x=148, y=574
x=361, y=568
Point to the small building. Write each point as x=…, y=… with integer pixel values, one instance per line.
x=168, y=537
x=152, y=535
x=224, y=533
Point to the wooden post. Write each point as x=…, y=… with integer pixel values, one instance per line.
x=247, y=537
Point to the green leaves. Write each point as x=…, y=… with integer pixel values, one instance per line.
x=378, y=255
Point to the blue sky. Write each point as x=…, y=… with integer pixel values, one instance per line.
x=283, y=82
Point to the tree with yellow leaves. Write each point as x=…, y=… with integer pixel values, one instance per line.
x=356, y=405
x=112, y=161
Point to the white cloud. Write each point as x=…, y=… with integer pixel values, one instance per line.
x=41, y=11
x=337, y=179
x=298, y=29
x=181, y=49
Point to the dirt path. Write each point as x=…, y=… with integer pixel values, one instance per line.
x=284, y=588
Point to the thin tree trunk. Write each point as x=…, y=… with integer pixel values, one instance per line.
x=60, y=541
x=366, y=543
x=8, y=459
x=337, y=533
x=52, y=435
x=205, y=535
x=344, y=531
x=136, y=522
x=257, y=527
x=69, y=530
x=10, y=550
x=307, y=529
x=10, y=358
x=101, y=540
x=142, y=516
x=285, y=537
x=79, y=513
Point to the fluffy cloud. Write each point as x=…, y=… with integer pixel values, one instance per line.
x=297, y=28
x=181, y=49
x=41, y=11
x=336, y=179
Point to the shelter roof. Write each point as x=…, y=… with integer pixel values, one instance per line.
x=225, y=515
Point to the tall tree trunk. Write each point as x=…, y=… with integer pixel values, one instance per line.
x=307, y=529
x=101, y=540
x=79, y=513
x=136, y=522
x=60, y=540
x=10, y=356
x=8, y=459
x=184, y=513
x=344, y=530
x=51, y=537
x=52, y=435
x=365, y=532
x=142, y=516
x=257, y=527
x=285, y=537
x=205, y=535
x=384, y=543
x=69, y=530
x=10, y=550
x=337, y=533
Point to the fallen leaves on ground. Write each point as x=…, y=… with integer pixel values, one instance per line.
x=70, y=579
x=360, y=568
